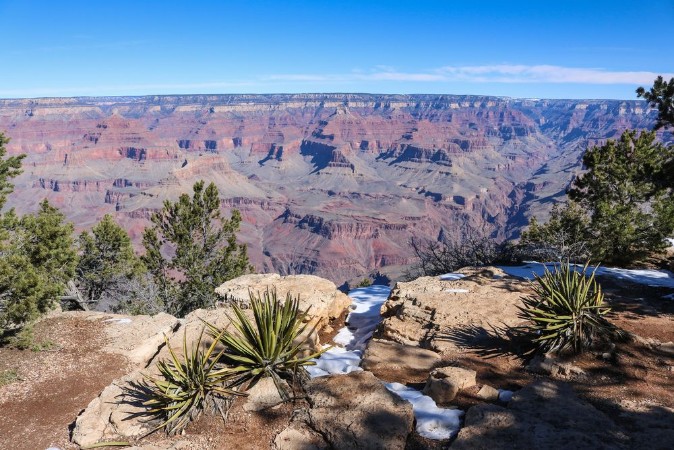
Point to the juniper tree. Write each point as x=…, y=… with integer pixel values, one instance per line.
x=38, y=259
x=204, y=250
x=630, y=212
x=107, y=263
x=661, y=96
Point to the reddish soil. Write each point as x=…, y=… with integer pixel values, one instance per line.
x=54, y=385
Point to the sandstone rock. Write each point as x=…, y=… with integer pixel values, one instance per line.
x=191, y=328
x=445, y=382
x=545, y=414
x=391, y=361
x=488, y=393
x=138, y=338
x=318, y=296
x=356, y=411
x=114, y=415
x=263, y=395
x=450, y=315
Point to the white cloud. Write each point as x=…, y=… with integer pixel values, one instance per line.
x=500, y=73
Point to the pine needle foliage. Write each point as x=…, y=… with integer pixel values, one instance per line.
x=566, y=311
x=273, y=344
x=188, y=385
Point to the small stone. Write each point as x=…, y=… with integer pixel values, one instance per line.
x=445, y=383
x=607, y=355
x=462, y=378
x=441, y=390
x=263, y=395
x=488, y=393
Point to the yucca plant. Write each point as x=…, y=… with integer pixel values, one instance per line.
x=566, y=311
x=188, y=385
x=273, y=344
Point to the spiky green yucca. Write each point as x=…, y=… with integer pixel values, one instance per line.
x=187, y=385
x=566, y=312
x=270, y=345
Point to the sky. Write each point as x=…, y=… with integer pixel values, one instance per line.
x=530, y=49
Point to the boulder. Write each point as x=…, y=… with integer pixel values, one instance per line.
x=114, y=415
x=391, y=361
x=447, y=315
x=318, y=296
x=545, y=414
x=356, y=411
x=444, y=383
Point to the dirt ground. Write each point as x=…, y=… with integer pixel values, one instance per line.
x=55, y=385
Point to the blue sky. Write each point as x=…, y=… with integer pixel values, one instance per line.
x=541, y=49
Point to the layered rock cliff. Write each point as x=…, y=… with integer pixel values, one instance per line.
x=328, y=184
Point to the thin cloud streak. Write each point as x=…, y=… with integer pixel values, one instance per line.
x=501, y=73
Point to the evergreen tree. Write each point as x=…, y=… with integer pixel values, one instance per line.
x=9, y=168
x=203, y=245
x=661, y=96
x=630, y=213
x=107, y=263
x=38, y=259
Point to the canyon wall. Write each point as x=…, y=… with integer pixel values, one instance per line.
x=328, y=184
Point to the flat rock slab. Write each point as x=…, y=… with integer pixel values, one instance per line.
x=391, y=361
x=356, y=411
x=545, y=414
x=138, y=338
x=447, y=315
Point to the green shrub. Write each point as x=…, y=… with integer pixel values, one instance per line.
x=272, y=345
x=365, y=282
x=188, y=385
x=566, y=311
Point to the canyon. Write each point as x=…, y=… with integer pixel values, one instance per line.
x=333, y=185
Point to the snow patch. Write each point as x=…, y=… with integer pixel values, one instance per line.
x=432, y=422
x=451, y=276
x=458, y=291
x=650, y=277
x=119, y=321
x=352, y=339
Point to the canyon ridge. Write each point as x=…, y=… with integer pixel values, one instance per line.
x=328, y=184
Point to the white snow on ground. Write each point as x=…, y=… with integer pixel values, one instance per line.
x=457, y=291
x=670, y=241
x=352, y=339
x=650, y=277
x=432, y=422
x=119, y=321
x=451, y=276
